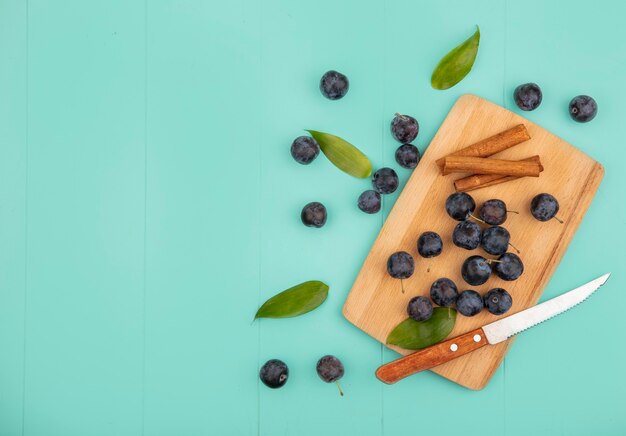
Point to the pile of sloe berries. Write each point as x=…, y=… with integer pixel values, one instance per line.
x=475, y=270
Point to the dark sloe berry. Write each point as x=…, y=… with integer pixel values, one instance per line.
x=385, y=181
x=369, y=201
x=495, y=240
x=274, y=373
x=460, y=205
x=313, y=214
x=330, y=369
x=407, y=156
x=467, y=234
x=429, y=244
x=493, y=212
x=400, y=265
x=583, y=108
x=544, y=207
x=404, y=128
x=444, y=292
x=498, y=301
x=510, y=267
x=334, y=85
x=476, y=270
x=469, y=303
x=527, y=96
x=420, y=308
x=304, y=149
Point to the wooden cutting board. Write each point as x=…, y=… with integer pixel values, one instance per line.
x=376, y=304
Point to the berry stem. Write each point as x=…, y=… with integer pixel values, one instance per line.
x=477, y=219
x=402, y=117
x=493, y=260
x=516, y=249
x=402, y=285
x=558, y=219
x=513, y=211
x=339, y=387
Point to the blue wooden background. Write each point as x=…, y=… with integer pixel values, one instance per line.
x=148, y=204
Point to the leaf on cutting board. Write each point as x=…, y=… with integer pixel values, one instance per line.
x=294, y=301
x=454, y=66
x=343, y=155
x=414, y=335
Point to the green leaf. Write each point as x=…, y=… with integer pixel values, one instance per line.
x=454, y=66
x=343, y=155
x=414, y=335
x=294, y=301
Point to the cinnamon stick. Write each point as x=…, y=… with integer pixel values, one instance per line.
x=492, y=145
x=481, y=165
x=478, y=181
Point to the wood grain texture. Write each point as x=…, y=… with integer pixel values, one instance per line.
x=376, y=304
x=432, y=356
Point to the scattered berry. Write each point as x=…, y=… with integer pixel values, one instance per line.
x=274, y=373
x=334, y=85
x=460, y=205
x=313, y=214
x=429, y=244
x=469, y=303
x=330, y=370
x=498, y=301
x=420, y=308
x=467, y=234
x=493, y=212
x=476, y=270
x=407, y=156
x=527, y=96
x=583, y=108
x=369, y=201
x=385, y=181
x=404, y=128
x=495, y=240
x=444, y=292
x=510, y=267
x=304, y=149
x=400, y=265
x=544, y=207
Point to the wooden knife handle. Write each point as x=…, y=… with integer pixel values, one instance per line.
x=432, y=356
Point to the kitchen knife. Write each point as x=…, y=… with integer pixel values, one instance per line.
x=489, y=334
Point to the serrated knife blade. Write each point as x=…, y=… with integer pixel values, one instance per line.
x=504, y=328
x=489, y=334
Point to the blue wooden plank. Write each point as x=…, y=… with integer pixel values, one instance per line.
x=300, y=42
x=13, y=170
x=203, y=218
x=85, y=220
x=568, y=374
